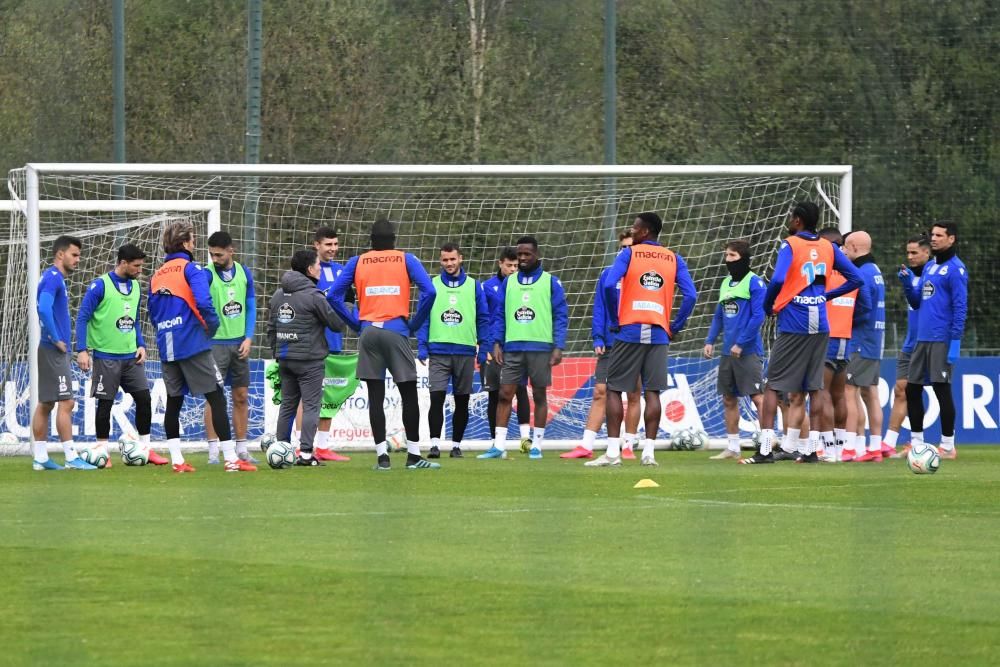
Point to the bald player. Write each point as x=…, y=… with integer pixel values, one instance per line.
x=867, y=344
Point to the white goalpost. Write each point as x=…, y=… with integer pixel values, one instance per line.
x=576, y=212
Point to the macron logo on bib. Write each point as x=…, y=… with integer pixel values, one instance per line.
x=382, y=290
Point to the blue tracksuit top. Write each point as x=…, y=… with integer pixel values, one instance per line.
x=179, y=334
x=647, y=333
x=402, y=326
x=482, y=325
x=491, y=287
x=912, y=314
x=941, y=299
x=53, y=309
x=600, y=324
x=868, y=334
x=806, y=313
x=740, y=321
x=91, y=300
x=329, y=272
x=560, y=315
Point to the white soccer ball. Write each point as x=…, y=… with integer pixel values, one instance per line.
x=682, y=440
x=924, y=460
x=268, y=440
x=8, y=439
x=755, y=439
x=396, y=440
x=698, y=439
x=95, y=456
x=280, y=455
x=134, y=452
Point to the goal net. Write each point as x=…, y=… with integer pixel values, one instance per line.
x=576, y=213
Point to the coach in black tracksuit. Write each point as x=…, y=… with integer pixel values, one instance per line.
x=296, y=333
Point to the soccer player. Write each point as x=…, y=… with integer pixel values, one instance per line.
x=739, y=318
x=55, y=382
x=298, y=319
x=180, y=307
x=867, y=344
x=529, y=334
x=234, y=298
x=327, y=243
x=918, y=253
x=450, y=338
x=941, y=299
x=797, y=295
x=603, y=341
x=840, y=312
x=642, y=328
x=382, y=277
x=108, y=324
x=489, y=376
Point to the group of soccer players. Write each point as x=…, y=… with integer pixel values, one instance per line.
x=829, y=304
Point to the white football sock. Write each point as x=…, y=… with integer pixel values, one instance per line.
x=791, y=440
x=319, y=441
x=916, y=439
x=296, y=437
x=614, y=448
x=947, y=442
x=588, y=440
x=413, y=447
x=840, y=435
x=859, y=443
x=144, y=438
x=381, y=448
x=213, y=448
x=436, y=442
x=803, y=447
x=874, y=443
x=813, y=442
x=648, y=447
x=69, y=450
x=525, y=430
x=539, y=437
x=826, y=439
x=733, y=442
x=766, y=441
x=241, y=447
x=630, y=441
x=891, y=437
x=500, y=441
x=41, y=450
x=849, y=439
x=228, y=450
x=174, y=445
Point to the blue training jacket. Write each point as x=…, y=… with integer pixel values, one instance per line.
x=942, y=300
x=868, y=334
x=329, y=272
x=739, y=321
x=53, y=309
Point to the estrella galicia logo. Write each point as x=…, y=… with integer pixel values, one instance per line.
x=928, y=290
x=285, y=313
x=731, y=308
x=232, y=309
x=125, y=324
x=451, y=317
x=651, y=280
x=524, y=315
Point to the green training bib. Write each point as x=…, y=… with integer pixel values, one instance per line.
x=230, y=301
x=453, y=316
x=528, y=310
x=740, y=290
x=112, y=327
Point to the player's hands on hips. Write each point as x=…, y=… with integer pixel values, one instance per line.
x=83, y=360
x=954, y=349
x=244, y=350
x=736, y=351
x=556, y=357
x=140, y=356
x=498, y=353
x=707, y=351
x=61, y=346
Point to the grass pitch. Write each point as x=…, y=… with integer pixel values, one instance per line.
x=503, y=562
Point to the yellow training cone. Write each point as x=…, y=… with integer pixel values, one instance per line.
x=646, y=484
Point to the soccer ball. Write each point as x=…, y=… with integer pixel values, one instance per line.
x=682, y=440
x=396, y=440
x=134, y=453
x=95, y=456
x=755, y=439
x=923, y=460
x=267, y=441
x=280, y=455
x=698, y=438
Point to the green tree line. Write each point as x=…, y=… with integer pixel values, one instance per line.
x=905, y=90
